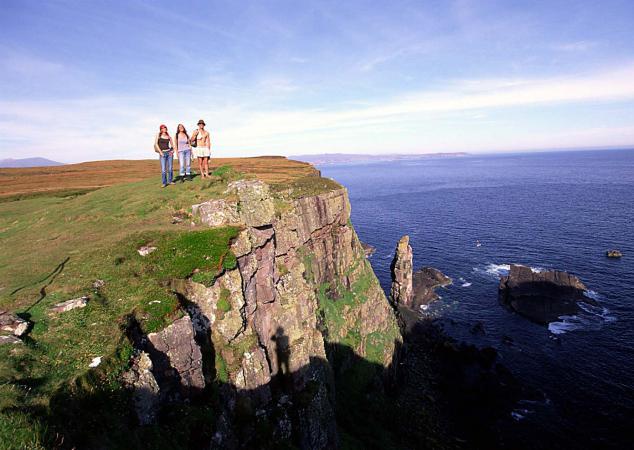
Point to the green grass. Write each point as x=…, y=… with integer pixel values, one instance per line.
x=54, y=248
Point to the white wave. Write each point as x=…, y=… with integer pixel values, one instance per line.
x=594, y=295
x=501, y=269
x=591, y=317
x=465, y=284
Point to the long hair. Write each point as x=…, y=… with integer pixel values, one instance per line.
x=184, y=130
x=166, y=132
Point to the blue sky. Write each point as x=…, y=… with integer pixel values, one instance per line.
x=86, y=80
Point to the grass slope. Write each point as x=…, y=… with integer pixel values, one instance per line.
x=55, y=247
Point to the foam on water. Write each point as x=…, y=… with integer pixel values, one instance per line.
x=591, y=317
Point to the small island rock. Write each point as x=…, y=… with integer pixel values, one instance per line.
x=542, y=296
x=613, y=254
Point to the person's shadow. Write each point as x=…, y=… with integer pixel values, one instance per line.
x=282, y=353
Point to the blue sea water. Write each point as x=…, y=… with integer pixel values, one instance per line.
x=559, y=210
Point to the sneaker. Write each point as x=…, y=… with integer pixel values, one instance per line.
x=164, y=185
x=171, y=182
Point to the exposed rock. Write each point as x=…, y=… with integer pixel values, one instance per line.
x=613, y=254
x=402, y=269
x=425, y=281
x=217, y=212
x=13, y=324
x=98, y=284
x=255, y=205
x=9, y=339
x=542, y=296
x=145, y=388
x=68, y=305
x=146, y=250
x=177, y=359
x=368, y=249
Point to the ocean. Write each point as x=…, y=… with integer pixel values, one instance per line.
x=551, y=210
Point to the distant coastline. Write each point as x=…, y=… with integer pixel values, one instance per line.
x=345, y=158
x=10, y=163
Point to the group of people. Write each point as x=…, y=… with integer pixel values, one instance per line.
x=197, y=145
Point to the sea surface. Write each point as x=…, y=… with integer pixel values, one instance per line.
x=557, y=210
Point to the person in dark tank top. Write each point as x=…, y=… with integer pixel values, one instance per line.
x=164, y=146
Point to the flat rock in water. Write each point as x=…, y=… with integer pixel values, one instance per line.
x=13, y=324
x=542, y=296
x=68, y=305
x=613, y=254
x=424, y=284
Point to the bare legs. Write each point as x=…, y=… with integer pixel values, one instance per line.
x=200, y=167
x=206, y=166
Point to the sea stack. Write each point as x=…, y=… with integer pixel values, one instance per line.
x=542, y=296
x=402, y=270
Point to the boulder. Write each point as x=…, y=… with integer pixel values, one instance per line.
x=542, y=296
x=146, y=250
x=613, y=254
x=402, y=269
x=425, y=282
x=13, y=324
x=68, y=305
x=9, y=339
x=141, y=381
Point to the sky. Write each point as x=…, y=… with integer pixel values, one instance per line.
x=93, y=80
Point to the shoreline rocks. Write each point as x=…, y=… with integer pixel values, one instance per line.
x=368, y=249
x=426, y=280
x=541, y=296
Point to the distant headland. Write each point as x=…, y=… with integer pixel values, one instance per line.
x=28, y=162
x=344, y=158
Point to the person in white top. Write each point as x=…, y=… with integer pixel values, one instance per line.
x=202, y=148
x=184, y=152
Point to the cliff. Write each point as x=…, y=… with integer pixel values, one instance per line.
x=250, y=319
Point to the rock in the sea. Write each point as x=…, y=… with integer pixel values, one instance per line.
x=68, y=305
x=368, y=249
x=613, y=254
x=402, y=270
x=13, y=324
x=425, y=282
x=542, y=296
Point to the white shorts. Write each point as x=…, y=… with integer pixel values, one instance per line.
x=201, y=152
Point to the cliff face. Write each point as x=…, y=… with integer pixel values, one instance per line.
x=301, y=286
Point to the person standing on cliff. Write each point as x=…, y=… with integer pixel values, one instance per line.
x=202, y=148
x=184, y=152
x=164, y=146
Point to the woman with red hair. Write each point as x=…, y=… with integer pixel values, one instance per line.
x=164, y=146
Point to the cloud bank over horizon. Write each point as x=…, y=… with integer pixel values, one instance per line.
x=93, y=80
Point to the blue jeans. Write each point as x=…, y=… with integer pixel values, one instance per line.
x=184, y=161
x=167, y=164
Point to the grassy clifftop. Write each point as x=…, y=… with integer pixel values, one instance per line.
x=62, y=235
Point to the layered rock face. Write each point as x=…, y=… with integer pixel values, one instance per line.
x=262, y=330
x=542, y=296
x=402, y=269
x=425, y=282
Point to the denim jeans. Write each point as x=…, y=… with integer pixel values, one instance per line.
x=167, y=163
x=184, y=161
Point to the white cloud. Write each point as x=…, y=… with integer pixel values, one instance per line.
x=123, y=127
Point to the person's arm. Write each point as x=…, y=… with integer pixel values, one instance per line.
x=193, y=138
x=171, y=143
x=176, y=146
x=157, y=149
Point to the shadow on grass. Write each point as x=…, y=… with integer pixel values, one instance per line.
x=436, y=395
x=50, y=277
